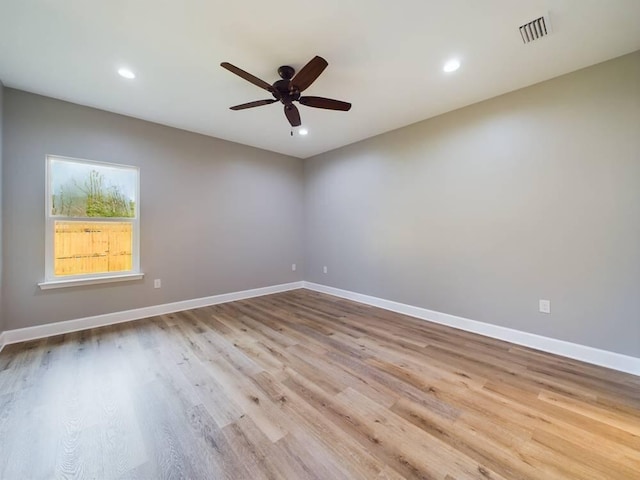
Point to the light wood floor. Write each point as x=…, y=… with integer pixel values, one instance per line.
x=302, y=385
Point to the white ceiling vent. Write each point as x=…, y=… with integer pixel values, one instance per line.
x=535, y=29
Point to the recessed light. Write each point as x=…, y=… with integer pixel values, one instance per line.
x=126, y=73
x=451, y=65
x=303, y=131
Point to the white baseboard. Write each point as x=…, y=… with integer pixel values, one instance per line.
x=48, y=330
x=616, y=361
x=604, y=358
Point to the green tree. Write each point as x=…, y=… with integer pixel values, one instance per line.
x=92, y=198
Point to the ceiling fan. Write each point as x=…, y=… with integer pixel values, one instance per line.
x=288, y=89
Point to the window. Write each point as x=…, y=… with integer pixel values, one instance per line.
x=92, y=230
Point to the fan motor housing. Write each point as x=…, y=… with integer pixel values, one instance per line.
x=285, y=92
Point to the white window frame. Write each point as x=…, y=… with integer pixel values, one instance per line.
x=53, y=281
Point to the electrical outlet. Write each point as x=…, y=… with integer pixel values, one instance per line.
x=545, y=306
x=324, y=269
x=293, y=267
x=157, y=283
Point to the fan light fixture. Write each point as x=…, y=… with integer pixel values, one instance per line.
x=303, y=131
x=451, y=65
x=126, y=73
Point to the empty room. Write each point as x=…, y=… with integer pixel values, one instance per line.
x=320, y=240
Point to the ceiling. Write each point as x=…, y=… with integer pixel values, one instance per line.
x=384, y=57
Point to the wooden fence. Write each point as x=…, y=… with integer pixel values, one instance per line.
x=92, y=247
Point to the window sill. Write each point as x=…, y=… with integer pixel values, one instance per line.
x=78, y=282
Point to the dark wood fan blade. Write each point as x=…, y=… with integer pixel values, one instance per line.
x=312, y=70
x=257, y=103
x=293, y=115
x=247, y=76
x=328, y=103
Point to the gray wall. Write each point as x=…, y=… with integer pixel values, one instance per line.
x=216, y=216
x=483, y=211
x=1, y=203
